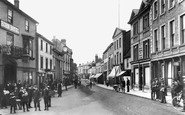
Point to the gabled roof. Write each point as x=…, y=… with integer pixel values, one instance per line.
x=116, y=32
x=18, y=10
x=44, y=38
x=133, y=15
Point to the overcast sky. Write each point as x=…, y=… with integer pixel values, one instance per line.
x=87, y=25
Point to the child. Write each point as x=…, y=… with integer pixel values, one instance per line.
x=36, y=97
x=12, y=102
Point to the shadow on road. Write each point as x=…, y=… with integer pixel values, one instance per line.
x=86, y=90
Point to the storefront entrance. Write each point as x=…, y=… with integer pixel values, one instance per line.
x=10, y=71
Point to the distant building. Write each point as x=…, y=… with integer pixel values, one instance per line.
x=45, y=65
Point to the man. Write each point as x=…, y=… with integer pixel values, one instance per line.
x=24, y=99
x=59, y=89
x=123, y=85
x=46, y=96
x=36, y=98
x=128, y=84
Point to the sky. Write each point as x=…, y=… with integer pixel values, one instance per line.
x=87, y=25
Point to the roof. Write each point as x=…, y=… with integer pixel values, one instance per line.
x=39, y=35
x=108, y=48
x=18, y=10
x=117, y=31
x=133, y=15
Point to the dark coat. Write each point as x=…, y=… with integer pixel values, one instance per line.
x=36, y=96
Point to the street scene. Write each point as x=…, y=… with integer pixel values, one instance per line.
x=99, y=57
x=97, y=100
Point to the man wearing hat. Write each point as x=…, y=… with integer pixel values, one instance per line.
x=12, y=102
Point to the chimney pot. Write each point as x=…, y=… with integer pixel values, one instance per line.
x=16, y=3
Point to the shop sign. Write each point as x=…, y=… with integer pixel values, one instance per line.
x=9, y=27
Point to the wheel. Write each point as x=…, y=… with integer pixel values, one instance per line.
x=175, y=101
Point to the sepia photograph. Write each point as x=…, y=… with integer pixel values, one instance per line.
x=92, y=57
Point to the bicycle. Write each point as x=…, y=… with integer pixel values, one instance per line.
x=177, y=99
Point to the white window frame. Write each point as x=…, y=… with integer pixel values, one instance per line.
x=161, y=13
x=170, y=7
x=179, y=25
x=154, y=11
x=164, y=35
x=169, y=32
x=154, y=48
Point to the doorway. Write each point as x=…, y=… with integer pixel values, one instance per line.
x=10, y=71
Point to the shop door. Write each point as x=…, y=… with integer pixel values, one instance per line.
x=10, y=73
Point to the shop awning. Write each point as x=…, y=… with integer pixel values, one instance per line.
x=115, y=71
x=92, y=76
x=121, y=73
x=97, y=75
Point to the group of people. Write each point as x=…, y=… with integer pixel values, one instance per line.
x=158, y=90
x=121, y=84
x=20, y=96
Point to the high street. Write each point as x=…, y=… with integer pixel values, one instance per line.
x=100, y=101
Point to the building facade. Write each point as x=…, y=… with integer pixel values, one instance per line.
x=45, y=61
x=17, y=45
x=140, y=46
x=168, y=39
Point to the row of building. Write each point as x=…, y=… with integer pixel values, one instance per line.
x=154, y=47
x=25, y=54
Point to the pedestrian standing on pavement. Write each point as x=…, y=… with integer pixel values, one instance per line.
x=25, y=100
x=36, y=98
x=49, y=97
x=46, y=96
x=153, y=90
x=163, y=92
x=157, y=89
x=30, y=96
x=65, y=82
x=128, y=84
x=12, y=103
x=59, y=89
x=4, y=102
x=123, y=85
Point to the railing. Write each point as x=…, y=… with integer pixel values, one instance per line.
x=13, y=51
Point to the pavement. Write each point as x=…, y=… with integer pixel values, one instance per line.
x=136, y=92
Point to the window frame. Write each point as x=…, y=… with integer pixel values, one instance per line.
x=172, y=42
x=161, y=7
x=155, y=11
x=156, y=40
x=135, y=28
x=182, y=28
x=12, y=35
x=146, y=24
x=170, y=4
x=41, y=62
x=27, y=25
x=163, y=36
x=10, y=18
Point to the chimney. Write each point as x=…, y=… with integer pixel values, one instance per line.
x=16, y=3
